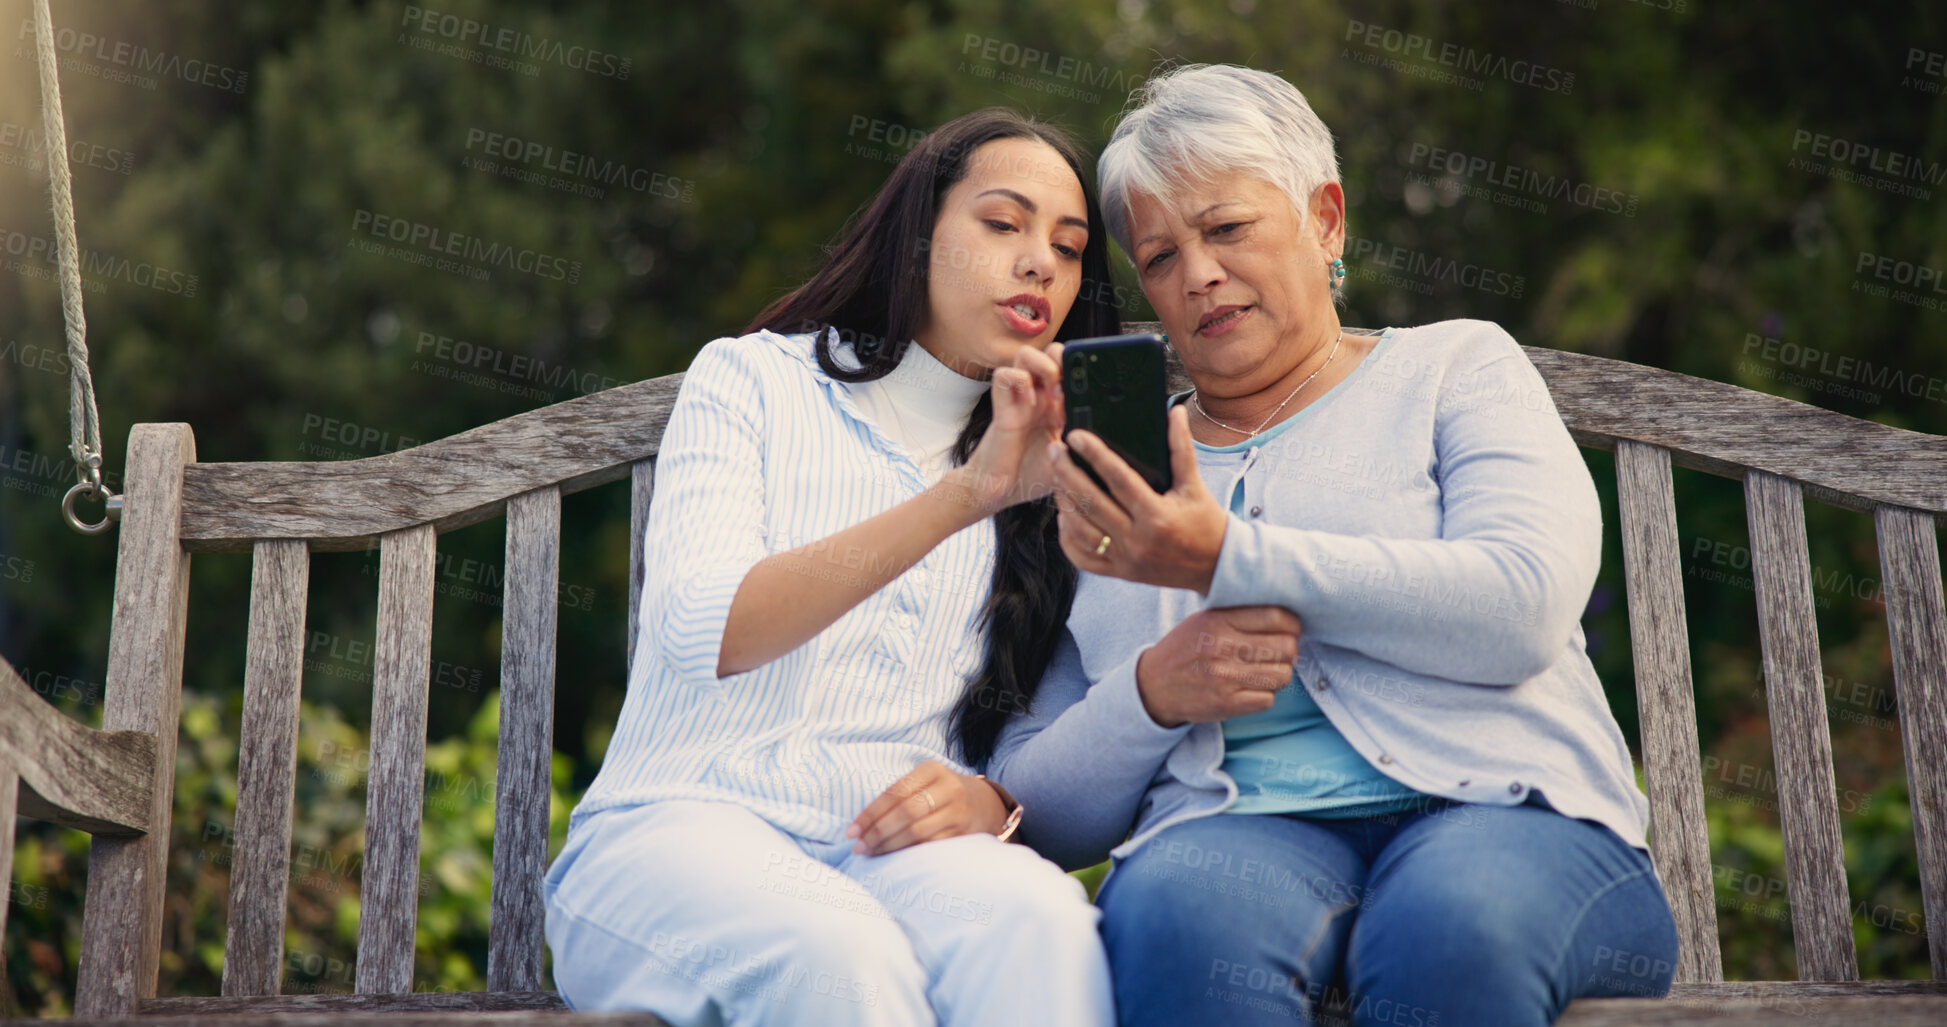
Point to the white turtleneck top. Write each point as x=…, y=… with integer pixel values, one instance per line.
x=922, y=405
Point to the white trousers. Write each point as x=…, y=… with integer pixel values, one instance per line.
x=706, y=915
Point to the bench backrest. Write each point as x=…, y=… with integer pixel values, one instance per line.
x=522, y=465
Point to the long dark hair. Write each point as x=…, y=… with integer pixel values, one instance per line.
x=872, y=287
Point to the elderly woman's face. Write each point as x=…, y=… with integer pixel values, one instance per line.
x=1232, y=275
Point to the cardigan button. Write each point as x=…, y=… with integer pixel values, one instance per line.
x=1467, y=782
x=1257, y=511
x=1514, y=788
x=1385, y=757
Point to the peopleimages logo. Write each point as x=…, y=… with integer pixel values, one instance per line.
x=1872, y=166
x=516, y=150
x=1933, y=68
x=30, y=151
x=39, y=252
x=1838, y=368
x=87, y=45
x=508, y=365
x=431, y=240
x=507, y=43
x=1374, y=260
x=1519, y=180
x=1461, y=58
x=1044, y=62
x=1900, y=273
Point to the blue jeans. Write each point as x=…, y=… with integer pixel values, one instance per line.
x=1447, y=915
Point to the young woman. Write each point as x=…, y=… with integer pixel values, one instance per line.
x=853, y=578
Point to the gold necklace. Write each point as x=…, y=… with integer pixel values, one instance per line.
x=1294, y=395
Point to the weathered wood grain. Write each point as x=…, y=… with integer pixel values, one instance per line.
x=421, y=1002
x=260, y=863
x=1666, y=703
x=1765, y=1003
x=1770, y=1003
x=70, y=774
x=544, y=1018
x=1722, y=429
x=492, y=1009
x=121, y=934
x=1909, y=562
x=453, y=482
x=9, y=793
x=395, y=792
x=642, y=486
x=527, y=644
x=1805, y=989
x=1801, y=740
x=1850, y=1011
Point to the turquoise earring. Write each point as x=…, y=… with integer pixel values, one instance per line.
x=1338, y=272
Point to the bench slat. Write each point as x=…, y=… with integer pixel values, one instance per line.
x=1665, y=699
x=260, y=866
x=121, y=926
x=347, y=505
x=1768, y=1010
x=447, y=1003
x=9, y=793
x=1801, y=739
x=401, y=663
x=1724, y=429
x=1909, y=564
x=642, y=485
x=527, y=647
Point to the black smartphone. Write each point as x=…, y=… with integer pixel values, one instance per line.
x=1117, y=388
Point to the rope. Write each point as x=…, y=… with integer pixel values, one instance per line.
x=84, y=421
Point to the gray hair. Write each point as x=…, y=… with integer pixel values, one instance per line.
x=1198, y=121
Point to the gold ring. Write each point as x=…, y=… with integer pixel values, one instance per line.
x=928, y=796
x=1102, y=546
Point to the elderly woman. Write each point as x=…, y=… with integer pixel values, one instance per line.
x=1326, y=703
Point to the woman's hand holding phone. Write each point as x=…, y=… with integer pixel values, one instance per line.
x=1169, y=539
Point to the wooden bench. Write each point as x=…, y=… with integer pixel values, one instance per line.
x=116, y=783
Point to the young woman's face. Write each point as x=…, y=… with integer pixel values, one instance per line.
x=1005, y=262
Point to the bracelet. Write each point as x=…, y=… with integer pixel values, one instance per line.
x=1014, y=809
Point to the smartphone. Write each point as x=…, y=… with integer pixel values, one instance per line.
x=1117, y=388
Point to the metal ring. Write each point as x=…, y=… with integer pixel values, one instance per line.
x=930, y=804
x=1102, y=546
x=111, y=513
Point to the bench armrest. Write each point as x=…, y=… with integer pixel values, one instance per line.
x=100, y=782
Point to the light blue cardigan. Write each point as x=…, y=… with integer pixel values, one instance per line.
x=1434, y=527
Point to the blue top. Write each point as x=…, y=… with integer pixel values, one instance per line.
x=1289, y=758
x=1433, y=525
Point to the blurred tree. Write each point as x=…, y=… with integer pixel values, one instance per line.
x=1681, y=185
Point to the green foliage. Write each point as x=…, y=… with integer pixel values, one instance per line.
x=326, y=863
x=1754, y=912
